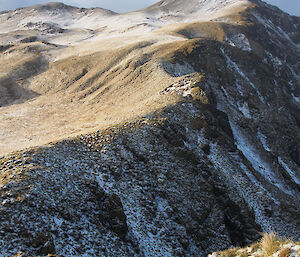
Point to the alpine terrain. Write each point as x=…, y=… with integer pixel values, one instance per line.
x=169, y=131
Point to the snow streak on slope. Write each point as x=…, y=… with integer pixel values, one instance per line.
x=234, y=67
x=291, y=172
x=261, y=166
x=255, y=194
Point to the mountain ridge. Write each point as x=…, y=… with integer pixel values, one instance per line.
x=149, y=137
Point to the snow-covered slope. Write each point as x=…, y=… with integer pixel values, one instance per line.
x=55, y=14
x=57, y=20
x=195, y=9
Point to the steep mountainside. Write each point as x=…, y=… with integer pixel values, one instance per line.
x=169, y=131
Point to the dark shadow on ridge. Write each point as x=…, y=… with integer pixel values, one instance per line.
x=12, y=93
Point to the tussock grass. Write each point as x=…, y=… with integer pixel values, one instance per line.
x=285, y=252
x=244, y=253
x=230, y=252
x=254, y=248
x=270, y=244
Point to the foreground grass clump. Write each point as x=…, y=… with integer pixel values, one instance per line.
x=270, y=245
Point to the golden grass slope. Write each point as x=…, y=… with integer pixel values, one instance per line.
x=57, y=91
x=79, y=94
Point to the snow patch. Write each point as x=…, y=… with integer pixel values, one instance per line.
x=235, y=67
x=296, y=98
x=58, y=221
x=263, y=139
x=276, y=62
x=291, y=172
x=254, y=195
x=240, y=41
x=254, y=158
x=296, y=75
x=244, y=109
x=287, y=37
x=148, y=242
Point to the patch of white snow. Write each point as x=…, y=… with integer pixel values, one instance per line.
x=244, y=109
x=291, y=172
x=263, y=139
x=254, y=158
x=235, y=67
x=240, y=41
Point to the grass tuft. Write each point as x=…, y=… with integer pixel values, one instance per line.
x=285, y=252
x=232, y=252
x=244, y=253
x=254, y=248
x=270, y=244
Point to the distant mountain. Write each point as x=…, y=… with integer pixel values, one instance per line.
x=170, y=131
x=201, y=7
x=57, y=14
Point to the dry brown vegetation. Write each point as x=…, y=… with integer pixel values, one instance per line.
x=57, y=92
x=210, y=30
x=284, y=252
x=79, y=94
x=270, y=244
